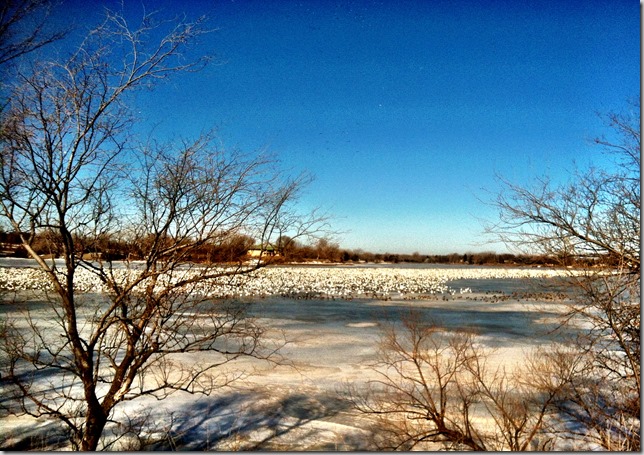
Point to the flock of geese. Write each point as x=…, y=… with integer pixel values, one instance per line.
x=293, y=282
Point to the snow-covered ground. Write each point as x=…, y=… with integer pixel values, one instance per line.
x=331, y=318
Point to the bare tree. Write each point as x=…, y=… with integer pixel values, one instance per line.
x=437, y=390
x=595, y=217
x=68, y=167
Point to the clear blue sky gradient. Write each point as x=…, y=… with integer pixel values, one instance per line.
x=405, y=111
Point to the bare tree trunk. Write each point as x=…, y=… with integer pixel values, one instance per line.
x=94, y=425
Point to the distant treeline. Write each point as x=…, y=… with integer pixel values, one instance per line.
x=227, y=249
x=482, y=258
x=235, y=248
x=326, y=251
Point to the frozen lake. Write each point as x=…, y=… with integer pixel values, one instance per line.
x=330, y=343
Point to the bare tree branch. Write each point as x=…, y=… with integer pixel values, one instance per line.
x=23, y=28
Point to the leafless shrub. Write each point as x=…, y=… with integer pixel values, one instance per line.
x=438, y=390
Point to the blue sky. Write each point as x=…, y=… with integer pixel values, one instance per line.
x=405, y=111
